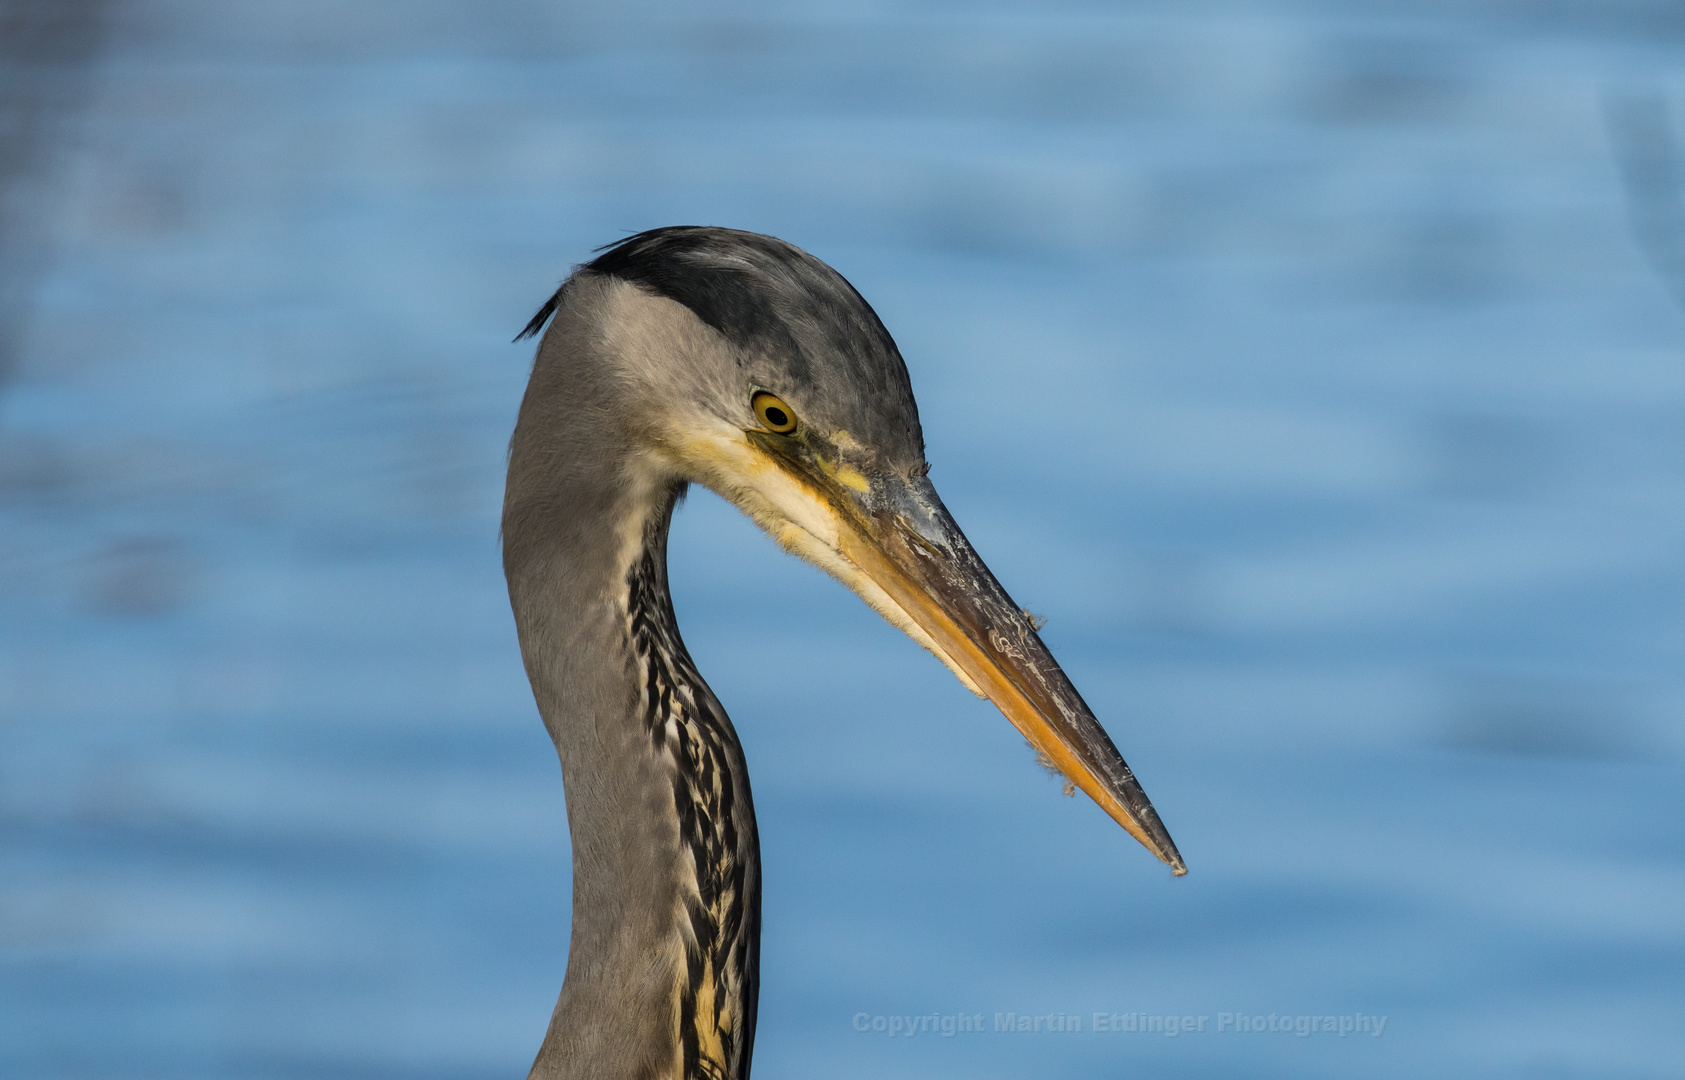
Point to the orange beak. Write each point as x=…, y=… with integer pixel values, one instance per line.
x=900, y=543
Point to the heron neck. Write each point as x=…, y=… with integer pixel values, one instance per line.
x=662, y=964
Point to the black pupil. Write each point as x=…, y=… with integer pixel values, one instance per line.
x=776, y=416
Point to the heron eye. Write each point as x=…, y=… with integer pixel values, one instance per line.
x=771, y=411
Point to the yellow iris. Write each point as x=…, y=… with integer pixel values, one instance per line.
x=771, y=411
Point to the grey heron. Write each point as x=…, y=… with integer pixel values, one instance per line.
x=699, y=355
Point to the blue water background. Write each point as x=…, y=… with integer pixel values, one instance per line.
x=1318, y=370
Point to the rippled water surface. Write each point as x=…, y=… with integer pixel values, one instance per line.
x=1318, y=370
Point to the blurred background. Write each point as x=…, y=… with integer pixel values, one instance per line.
x=1317, y=369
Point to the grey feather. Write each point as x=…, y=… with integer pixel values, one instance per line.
x=684, y=321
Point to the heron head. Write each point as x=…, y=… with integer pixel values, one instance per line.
x=756, y=370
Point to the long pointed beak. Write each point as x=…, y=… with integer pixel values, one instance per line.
x=904, y=539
